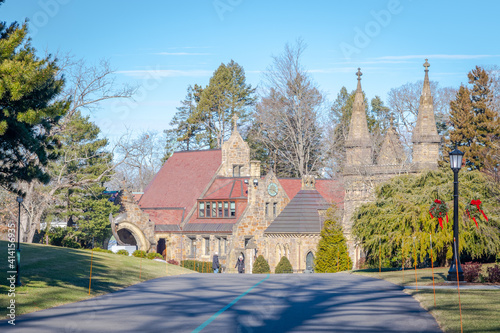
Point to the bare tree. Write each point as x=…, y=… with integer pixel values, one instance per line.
x=288, y=114
x=142, y=159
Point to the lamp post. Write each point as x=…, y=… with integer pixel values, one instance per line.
x=455, y=269
x=18, y=250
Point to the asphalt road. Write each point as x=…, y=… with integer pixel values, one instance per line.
x=240, y=303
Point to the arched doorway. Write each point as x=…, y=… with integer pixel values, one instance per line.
x=310, y=261
x=127, y=237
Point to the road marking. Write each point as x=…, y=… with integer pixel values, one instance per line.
x=209, y=320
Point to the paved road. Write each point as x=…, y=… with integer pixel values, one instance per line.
x=241, y=303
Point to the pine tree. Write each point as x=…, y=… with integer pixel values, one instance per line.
x=29, y=87
x=400, y=212
x=284, y=266
x=261, y=266
x=475, y=126
x=332, y=255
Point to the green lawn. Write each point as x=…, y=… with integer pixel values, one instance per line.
x=53, y=276
x=480, y=308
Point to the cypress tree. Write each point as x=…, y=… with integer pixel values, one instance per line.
x=332, y=255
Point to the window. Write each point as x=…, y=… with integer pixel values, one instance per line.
x=267, y=209
x=208, y=209
x=201, y=210
x=207, y=245
x=247, y=240
x=233, y=209
x=224, y=245
x=275, y=208
x=192, y=248
x=236, y=170
x=217, y=209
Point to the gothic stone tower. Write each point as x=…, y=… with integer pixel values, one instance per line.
x=361, y=174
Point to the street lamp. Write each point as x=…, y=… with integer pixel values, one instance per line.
x=18, y=250
x=455, y=269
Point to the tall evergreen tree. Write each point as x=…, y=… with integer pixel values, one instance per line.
x=29, y=87
x=475, y=126
x=332, y=255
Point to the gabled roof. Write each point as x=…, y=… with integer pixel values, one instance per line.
x=301, y=214
x=227, y=188
x=331, y=190
x=180, y=181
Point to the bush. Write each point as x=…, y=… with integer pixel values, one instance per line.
x=173, y=262
x=98, y=249
x=154, y=255
x=283, y=266
x=198, y=266
x=471, y=271
x=261, y=266
x=123, y=252
x=139, y=254
x=493, y=274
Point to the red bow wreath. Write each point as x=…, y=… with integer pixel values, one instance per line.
x=439, y=209
x=474, y=211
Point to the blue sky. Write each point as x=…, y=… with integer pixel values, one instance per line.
x=166, y=45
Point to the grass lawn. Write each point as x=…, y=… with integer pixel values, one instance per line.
x=480, y=308
x=53, y=276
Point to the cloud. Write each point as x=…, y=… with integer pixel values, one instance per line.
x=159, y=73
x=182, y=54
x=439, y=56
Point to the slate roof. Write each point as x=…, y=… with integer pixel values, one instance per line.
x=301, y=214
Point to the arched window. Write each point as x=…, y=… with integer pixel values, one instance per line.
x=310, y=261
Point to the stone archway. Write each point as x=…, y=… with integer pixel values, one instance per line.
x=139, y=237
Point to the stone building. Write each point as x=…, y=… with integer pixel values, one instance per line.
x=202, y=202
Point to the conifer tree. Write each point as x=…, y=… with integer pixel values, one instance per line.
x=400, y=215
x=284, y=266
x=332, y=255
x=261, y=266
x=475, y=126
x=28, y=108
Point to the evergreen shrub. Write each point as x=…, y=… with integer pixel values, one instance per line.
x=154, y=255
x=123, y=252
x=261, y=266
x=139, y=254
x=283, y=267
x=493, y=274
x=198, y=266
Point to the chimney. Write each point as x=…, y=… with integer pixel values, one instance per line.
x=254, y=170
x=253, y=182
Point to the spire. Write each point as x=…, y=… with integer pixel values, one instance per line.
x=425, y=129
x=358, y=143
x=391, y=151
x=425, y=136
x=358, y=128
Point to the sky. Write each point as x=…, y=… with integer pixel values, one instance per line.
x=164, y=46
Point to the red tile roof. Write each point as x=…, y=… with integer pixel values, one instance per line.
x=180, y=181
x=165, y=216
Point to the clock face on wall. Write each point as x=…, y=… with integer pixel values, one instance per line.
x=272, y=189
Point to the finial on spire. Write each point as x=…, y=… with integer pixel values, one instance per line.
x=426, y=65
x=235, y=122
x=359, y=73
